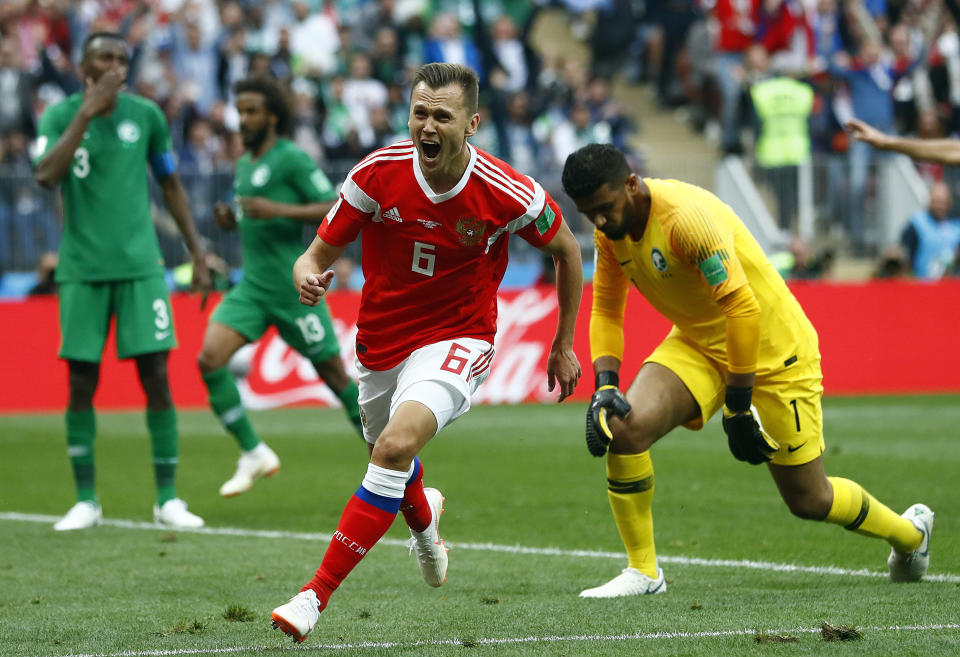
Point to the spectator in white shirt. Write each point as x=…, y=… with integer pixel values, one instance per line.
x=361, y=93
x=314, y=38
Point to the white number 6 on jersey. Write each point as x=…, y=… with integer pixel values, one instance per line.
x=423, y=258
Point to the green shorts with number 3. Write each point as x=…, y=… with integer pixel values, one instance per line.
x=307, y=329
x=142, y=309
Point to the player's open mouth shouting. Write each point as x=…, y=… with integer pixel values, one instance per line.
x=429, y=150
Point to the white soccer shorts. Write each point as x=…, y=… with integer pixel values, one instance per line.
x=456, y=368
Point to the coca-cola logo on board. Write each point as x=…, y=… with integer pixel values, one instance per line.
x=276, y=375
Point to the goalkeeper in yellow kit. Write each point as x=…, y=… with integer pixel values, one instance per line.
x=740, y=342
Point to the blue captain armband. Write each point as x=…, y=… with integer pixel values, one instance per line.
x=162, y=164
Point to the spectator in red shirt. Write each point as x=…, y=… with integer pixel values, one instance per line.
x=737, y=22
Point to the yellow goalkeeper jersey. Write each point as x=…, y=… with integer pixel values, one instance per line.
x=694, y=251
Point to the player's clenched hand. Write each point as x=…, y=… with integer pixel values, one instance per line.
x=563, y=369
x=223, y=215
x=314, y=286
x=607, y=402
x=746, y=437
x=100, y=95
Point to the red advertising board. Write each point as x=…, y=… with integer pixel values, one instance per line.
x=878, y=337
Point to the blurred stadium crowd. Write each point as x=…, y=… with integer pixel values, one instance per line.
x=347, y=63
x=893, y=63
x=798, y=70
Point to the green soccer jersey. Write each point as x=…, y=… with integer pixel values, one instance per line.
x=284, y=174
x=108, y=231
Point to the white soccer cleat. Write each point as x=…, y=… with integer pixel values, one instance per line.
x=629, y=582
x=174, y=513
x=298, y=617
x=261, y=461
x=912, y=566
x=80, y=516
x=431, y=552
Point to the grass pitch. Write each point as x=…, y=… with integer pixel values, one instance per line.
x=528, y=525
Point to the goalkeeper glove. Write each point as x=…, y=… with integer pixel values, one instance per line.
x=607, y=401
x=745, y=435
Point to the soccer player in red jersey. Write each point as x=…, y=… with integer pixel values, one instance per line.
x=434, y=215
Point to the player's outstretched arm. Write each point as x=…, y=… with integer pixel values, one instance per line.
x=311, y=272
x=563, y=368
x=257, y=207
x=944, y=151
x=175, y=198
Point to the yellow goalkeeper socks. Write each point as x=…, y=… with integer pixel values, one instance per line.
x=859, y=511
x=630, y=490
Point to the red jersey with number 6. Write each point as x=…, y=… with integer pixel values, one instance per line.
x=432, y=263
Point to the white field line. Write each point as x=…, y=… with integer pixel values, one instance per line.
x=493, y=547
x=382, y=645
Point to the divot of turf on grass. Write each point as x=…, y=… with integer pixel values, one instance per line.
x=238, y=614
x=830, y=632
x=193, y=627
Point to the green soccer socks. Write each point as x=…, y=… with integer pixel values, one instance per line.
x=225, y=401
x=162, y=426
x=81, y=429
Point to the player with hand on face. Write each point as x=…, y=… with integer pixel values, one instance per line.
x=278, y=188
x=434, y=215
x=95, y=145
x=740, y=342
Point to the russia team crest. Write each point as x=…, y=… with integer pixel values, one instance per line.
x=470, y=230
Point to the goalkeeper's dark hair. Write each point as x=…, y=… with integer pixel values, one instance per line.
x=275, y=99
x=440, y=74
x=593, y=166
x=116, y=36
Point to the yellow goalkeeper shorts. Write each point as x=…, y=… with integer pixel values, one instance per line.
x=788, y=401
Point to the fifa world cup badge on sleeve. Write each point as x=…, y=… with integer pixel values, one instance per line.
x=545, y=220
x=714, y=270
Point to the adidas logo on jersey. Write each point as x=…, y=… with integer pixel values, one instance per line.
x=393, y=214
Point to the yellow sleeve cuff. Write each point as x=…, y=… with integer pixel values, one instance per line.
x=606, y=335
x=743, y=330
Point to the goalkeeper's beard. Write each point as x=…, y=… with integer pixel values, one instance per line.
x=628, y=219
